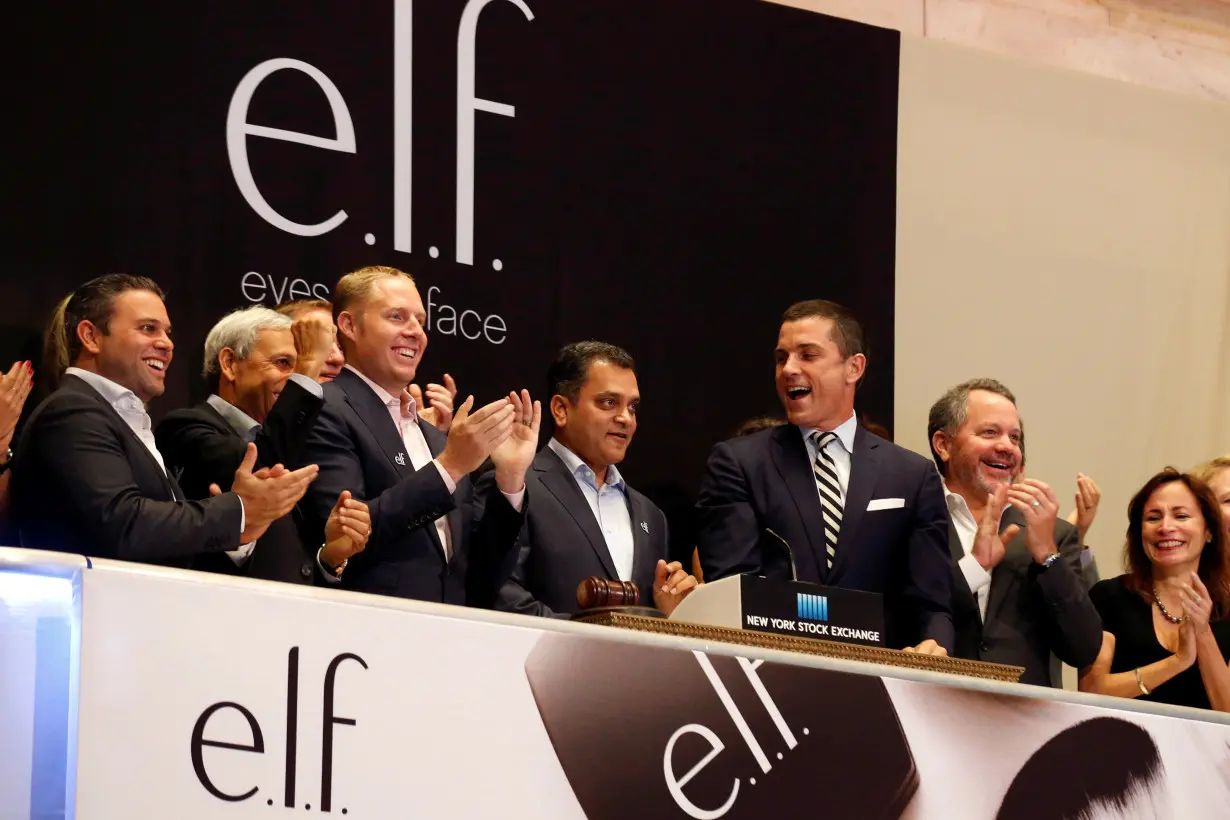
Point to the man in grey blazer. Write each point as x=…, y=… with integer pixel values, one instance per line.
x=1018, y=591
x=584, y=520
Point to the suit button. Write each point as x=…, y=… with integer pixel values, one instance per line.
x=984, y=647
x=305, y=571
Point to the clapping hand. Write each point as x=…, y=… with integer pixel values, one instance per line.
x=314, y=336
x=346, y=532
x=438, y=408
x=512, y=457
x=15, y=388
x=267, y=494
x=989, y=543
x=1038, y=505
x=1088, y=496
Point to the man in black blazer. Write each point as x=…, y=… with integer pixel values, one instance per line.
x=855, y=510
x=433, y=538
x=585, y=520
x=88, y=476
x=249, y=358
x=1018, y=591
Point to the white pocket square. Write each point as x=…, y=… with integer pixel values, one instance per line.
x=885, y=504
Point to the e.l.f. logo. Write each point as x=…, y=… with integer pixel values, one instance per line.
x=257, y=743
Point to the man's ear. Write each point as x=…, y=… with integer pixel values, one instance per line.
x=856, y=366
x=942, y=445
x=559, y=410
x=226, y=363
x=90, y=336
x=346, y=325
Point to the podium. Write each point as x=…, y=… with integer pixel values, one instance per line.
x=793, y=616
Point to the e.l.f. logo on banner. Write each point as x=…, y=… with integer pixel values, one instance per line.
x=256, y=743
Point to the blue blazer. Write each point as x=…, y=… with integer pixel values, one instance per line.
x=899, y=549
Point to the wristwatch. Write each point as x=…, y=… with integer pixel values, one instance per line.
x=1050, y=559
x=8, y=461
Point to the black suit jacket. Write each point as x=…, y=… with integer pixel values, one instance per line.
x=765, y=481
x=358, y=448
x=201, y=448
x=1031, y=612
x=561, y=544
x=83, y=482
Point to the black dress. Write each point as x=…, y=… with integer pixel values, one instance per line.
x=1129, y=618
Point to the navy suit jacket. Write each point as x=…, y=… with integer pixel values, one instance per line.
x=358, y=448
x=83, y=482
x=561, y=544
x=765, y=481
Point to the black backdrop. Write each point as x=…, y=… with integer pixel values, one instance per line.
x=676, y=173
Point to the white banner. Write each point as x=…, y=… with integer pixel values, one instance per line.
x=220, y=700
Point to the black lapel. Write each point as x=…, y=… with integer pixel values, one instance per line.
x=456, y=518
x=373, y=413
x=792, y=462
x=962, y=594
x=643, y=558
x=1001, y=576
x=554, y=475
x=864, y=471
x=71, y=382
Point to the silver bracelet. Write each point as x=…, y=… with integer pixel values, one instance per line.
x=1144, y=690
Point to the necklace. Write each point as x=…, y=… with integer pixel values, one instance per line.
x=1165, y=612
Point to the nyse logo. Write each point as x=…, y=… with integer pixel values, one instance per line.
x=813, y=607
x=255, y=744
x=344, y=140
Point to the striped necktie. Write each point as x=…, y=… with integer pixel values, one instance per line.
x=830, y=494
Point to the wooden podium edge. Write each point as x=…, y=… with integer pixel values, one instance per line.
x=806, y=646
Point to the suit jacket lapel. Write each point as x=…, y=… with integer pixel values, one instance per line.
x=373, y=412
x=643, y=559
x=457, y=529
x=1001, y=576
x=71, y=382
x=864, y=470
x=554, y=475
x=794, y=466
x=963, y=596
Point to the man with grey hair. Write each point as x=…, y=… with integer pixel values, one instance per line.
x=262, y=369
x=1017, y=589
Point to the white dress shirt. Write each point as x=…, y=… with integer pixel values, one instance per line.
x=609, y=504
x=978, y=579
x=840, y=450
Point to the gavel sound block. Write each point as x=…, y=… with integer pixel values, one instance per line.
x=596, y=594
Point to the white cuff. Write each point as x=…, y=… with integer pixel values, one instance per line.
x=516, y=499
x=448, y=479
x=330, y=578
x=307, y=384
x=975, y=575
x=241, y=555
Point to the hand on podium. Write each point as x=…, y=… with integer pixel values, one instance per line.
x=928, y=647
x=671, y=584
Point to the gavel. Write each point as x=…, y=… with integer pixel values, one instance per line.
x=596, y=592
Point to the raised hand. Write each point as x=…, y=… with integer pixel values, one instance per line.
x=1038, y=504
x=15, y=388
x=437, y=410
x=473, y=436
x=268, y=497
x=314, y=337
x=346, y=532
x=1088, y=496
x=516, y=452
x=671, y=584
x=989, y=543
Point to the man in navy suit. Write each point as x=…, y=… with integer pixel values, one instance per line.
x=433, y=537
x=585, y=520
x=856, y=511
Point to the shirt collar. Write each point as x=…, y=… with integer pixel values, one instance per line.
x=579, y=468
x=239, y=421
x=386, y=398
x=845, y=432
x=117, y=395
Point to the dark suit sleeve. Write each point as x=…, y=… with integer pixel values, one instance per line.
x=283, y=437
x=199, y=452
x=928, y=589
x=79, y=452
x=415, y=501
x=495, y=546
x=1071, y=619
x=728, y=536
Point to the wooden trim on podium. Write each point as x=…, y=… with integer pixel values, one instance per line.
x=807, y=646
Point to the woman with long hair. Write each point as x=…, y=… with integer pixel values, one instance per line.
x=1166, y=635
